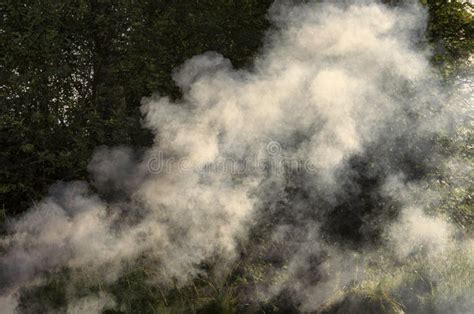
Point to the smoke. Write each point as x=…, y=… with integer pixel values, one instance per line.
x=345, y=92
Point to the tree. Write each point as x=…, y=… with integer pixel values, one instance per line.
x=74, y=73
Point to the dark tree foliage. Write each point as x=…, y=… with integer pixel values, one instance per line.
x=451, y=30
x=73, y=74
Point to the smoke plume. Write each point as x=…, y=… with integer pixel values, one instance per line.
x=322, y=148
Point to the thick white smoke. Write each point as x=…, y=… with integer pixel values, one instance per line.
x=335, y=83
